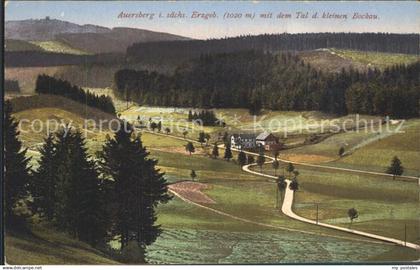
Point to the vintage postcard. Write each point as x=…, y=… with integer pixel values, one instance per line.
x=211, y=132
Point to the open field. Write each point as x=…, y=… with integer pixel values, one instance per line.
x=367, y=149
x=376, y=59
x=210, y=231
x=192, y=246
x=55, y=46
x=334, y=60
x=58, y=47
x=404, y=145
x=253, y=200
x=43, y=113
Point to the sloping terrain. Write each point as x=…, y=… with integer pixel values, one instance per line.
x=45, y=245
x=65, y=37
x=27, y=76
x=15, y=45
x=46, y=29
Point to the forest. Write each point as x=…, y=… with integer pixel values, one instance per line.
x=256, y=79
x=181, y=50
x=52, y=86
x=43, y=59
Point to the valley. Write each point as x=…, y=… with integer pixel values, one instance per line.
x=392, y=204
x=254, y=149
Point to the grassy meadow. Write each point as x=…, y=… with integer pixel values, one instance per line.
x=44, y=245
x=384, y=205
x=376, y=59
x=56, y=46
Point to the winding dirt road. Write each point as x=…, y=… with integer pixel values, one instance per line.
x=288, y=211
x=289, y=194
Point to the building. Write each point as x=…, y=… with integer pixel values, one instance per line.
x=250, y=141
x=243, y=141
x=267, y=140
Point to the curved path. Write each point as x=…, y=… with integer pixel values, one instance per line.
x=288, y=199
x=288, y=211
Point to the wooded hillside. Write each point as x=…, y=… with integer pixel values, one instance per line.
x=179, y=50
x=279, y=82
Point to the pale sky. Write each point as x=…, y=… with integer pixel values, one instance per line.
x=393, y=17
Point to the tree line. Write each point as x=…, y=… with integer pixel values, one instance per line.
x=42, y=59
x=181, y=50
x=256, y=80
x=52, y=86
x=113, y=195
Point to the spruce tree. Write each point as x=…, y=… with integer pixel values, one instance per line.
x=201, y=138
x=138, y=187
x=44, y=182
x=16, y=168
x=89, y=204
x=241, y=158
x=80, y=202
x=396, y=168
x=193, y=175
x=228, y=152
x=275, y=166
x=261, y=160
x=190, y=147
x=290, y=168
x=215, y=152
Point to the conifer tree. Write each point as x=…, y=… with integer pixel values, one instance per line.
x=241, y=158
x=80, y=199
x=290, y=168
x=16, y=168
x=91, y=215
x=190, y=147
x=275, y=166
x=215, y=152
x=138, y=187
x=261, y=160
x=228, y=152
x=193, y=175
x=44, y=182
x=201, y=138
x=396, y=168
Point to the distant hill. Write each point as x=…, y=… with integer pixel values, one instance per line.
x=46, y=29
x=117, y=40
x=87, y=38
